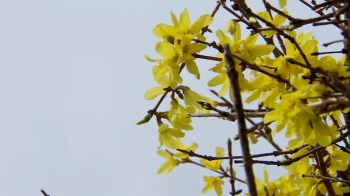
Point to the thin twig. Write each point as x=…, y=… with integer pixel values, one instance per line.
x=290, y=161
x=219, y=172
x=232, y=180
x=227, y=102
x=326, y=178
x=44, y=193
x=333, y=42
x=274, y=153
x=231, y=116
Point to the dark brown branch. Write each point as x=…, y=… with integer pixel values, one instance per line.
x=328, y=3
x=323, y=170
x=290, y=161
x=233, y=76
x=274, y=153
x=213, y=58
x=228, y=115
x=212, y=44
x=44, y=193
x=251, y=129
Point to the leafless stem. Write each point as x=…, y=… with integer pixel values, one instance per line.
x=231, y=116
x=326, y=178
x=232, y=180
x=44, y=193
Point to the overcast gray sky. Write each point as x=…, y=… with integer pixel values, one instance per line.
x=72, y=82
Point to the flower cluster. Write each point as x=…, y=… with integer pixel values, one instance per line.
x=298, y=92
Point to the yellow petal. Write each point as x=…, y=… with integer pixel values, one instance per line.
x=194, y=48
x=192, y=68
x=149, y=59
x=222, y=37
x=279, y=19
x=166, y=50
x=219, y=79
x=268, y=33
x=250, y=41
x=154, y=92
x=260, y=50
x=226, y=87
x=282, y=3
x=169, y=141
x=271, y=116
x=158, y=30
x=254, y=96
x=265, y=15
x=201, y=22
x=185, y=22
x=174, y=19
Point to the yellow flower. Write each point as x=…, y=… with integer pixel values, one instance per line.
x=169, y=164
x=168, y=66
x=157, y=90
x=191, y=147
x=277, y=21
x=302, y=122
x=183, y=27
x=322, y=133
x=282, y=3
x=177, y=116
x=338, y=159
x=250, y=51
x=185, y=49
x=166, y=136
x=191, y=99
x=213, y=183
x=265, y=187
x=215, y=164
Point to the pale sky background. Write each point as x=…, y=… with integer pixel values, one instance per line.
x=72, y=82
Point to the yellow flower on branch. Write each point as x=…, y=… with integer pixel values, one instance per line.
x=338, y=159
x=191, y=147
x=157, y=90
x=169, y=65
x=277, y=21
x=191, y=99
x=177, y=116
x=250, y=51
x=183, y=26
x=167, y=136
x=185, y=49
x=215, y=164
x=213, y=183
x=265, y=187
x=169, y=165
